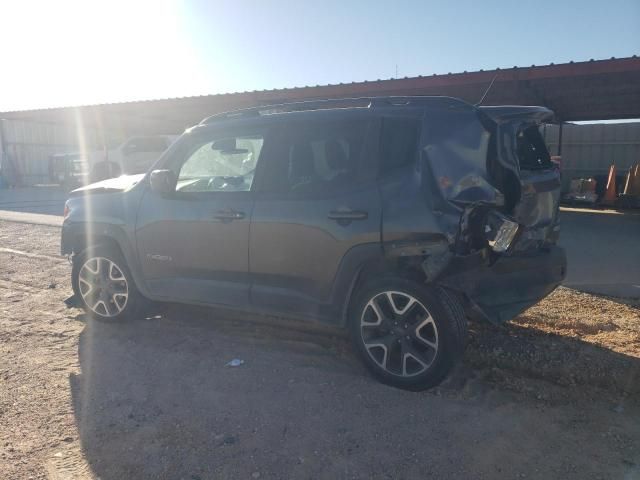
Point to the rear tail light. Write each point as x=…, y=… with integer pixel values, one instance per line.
x=67, y=210
x=500, y=232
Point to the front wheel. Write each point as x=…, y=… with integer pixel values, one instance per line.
x=103, y=284
x=410, y=335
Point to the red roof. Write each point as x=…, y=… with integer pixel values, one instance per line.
x=591, y=90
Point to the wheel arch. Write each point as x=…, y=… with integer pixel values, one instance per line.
x=84, y=242
x=365, y=262
x=80, y=237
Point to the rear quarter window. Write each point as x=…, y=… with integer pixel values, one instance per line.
x=399, y=140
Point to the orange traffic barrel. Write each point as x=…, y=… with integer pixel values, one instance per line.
x=610, y=194
x=632, y=185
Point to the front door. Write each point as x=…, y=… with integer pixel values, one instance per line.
x=193, y=243
x=317, y=200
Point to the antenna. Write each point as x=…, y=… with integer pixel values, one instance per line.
x=487, y=90
x=396, y=71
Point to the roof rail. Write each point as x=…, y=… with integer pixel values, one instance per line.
x=334, y=103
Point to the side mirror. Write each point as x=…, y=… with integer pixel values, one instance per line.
x=163, y=181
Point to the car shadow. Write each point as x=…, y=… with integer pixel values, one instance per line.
x=156, y=398
x=602, y=257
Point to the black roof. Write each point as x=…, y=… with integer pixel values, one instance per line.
x=370, y=103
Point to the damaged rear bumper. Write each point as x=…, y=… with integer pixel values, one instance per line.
x=500, y=291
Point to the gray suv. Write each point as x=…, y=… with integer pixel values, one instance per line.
x=397, y=218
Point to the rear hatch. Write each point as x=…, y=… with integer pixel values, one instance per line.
x=521, y=168
x=497, y=187
x=492, y=161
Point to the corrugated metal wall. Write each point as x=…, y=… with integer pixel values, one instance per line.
x=589, y=150
x=28, y=145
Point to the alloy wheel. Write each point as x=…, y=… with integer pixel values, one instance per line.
x=399, y=333
x=103, y=286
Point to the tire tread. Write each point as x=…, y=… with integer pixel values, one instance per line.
x=443, y=305
x=456, y=313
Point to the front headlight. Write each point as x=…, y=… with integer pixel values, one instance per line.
x=500, y=231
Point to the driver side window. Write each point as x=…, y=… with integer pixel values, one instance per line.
x=223, y=164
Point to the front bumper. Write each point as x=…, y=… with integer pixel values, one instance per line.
x=66, y=237
x=510, y=285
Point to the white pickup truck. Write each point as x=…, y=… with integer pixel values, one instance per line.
x=135, y=155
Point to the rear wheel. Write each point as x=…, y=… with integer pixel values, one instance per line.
x=409, y=335
x=103, y=284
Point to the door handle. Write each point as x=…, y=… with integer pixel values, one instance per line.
x=347, y=215
x=228, y=215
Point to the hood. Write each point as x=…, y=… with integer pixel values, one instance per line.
x=111, y=185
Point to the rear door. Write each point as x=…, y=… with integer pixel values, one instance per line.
x=318, y=200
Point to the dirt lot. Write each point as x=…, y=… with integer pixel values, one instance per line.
x=554, y=394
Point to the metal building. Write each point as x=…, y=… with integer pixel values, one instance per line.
x=29, y=144
x=589, y=150
x=592, y=90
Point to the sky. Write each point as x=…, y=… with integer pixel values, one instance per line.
x=64, y=53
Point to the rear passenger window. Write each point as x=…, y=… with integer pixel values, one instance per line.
x=399, y=143
x=316, y=158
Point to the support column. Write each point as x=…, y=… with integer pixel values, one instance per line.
x=560, y=139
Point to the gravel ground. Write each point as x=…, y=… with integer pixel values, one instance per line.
x=553, y=394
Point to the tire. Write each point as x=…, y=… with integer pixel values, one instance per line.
x=409, y=335
x=104, y=269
